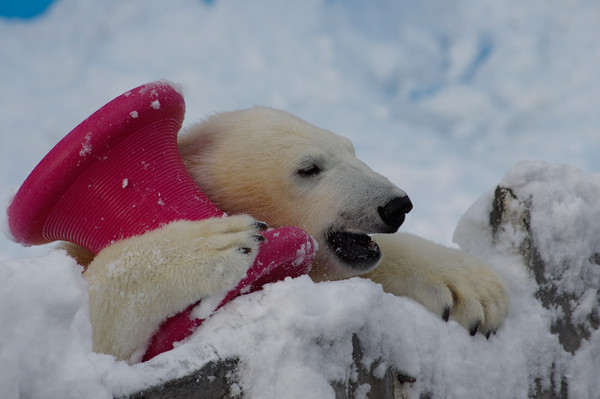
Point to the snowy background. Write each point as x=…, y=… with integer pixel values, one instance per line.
x=441, y=97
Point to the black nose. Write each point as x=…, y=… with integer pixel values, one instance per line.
x=393, y=212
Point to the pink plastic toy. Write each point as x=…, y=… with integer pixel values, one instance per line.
x=119, y=174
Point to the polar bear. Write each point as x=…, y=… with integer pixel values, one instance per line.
x=263, y=164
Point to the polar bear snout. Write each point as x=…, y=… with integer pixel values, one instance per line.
x=394, y=212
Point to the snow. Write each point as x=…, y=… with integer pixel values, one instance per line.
x=86, y=147
x=563, y=204
x=442, y=98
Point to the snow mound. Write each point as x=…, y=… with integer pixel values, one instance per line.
x=545, y=215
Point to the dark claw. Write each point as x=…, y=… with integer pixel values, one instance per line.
x=487, y=336
x=245, y=250
x=262, y=226
x=446, y=314
x=473, y=329
x=406, y=378
x=259, y=238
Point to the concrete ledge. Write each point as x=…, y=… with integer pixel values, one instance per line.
x=219, y=379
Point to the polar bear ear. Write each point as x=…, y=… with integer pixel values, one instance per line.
x=199, y=139
x=349, y=144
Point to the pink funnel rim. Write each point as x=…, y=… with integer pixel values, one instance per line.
x=93, y=139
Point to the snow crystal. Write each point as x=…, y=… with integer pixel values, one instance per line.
x=86, y=146
x=155, y=104
x=207, y=306
x=175, y=86
x=125, y=183
x=300, y=255
x=133, y=114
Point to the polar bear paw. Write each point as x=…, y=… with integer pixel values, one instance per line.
x=216, y=252
x=241, y=233
x=446, y=281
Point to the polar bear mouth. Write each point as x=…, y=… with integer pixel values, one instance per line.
x=355, y=249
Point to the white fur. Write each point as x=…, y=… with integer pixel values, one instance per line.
x=137, y=283
x=248, y=162
x=442, y=279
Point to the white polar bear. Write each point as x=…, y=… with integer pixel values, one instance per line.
x=284, y=171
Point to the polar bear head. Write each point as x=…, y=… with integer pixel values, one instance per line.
x=285, y=171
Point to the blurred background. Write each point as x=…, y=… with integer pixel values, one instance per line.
x=441, y=97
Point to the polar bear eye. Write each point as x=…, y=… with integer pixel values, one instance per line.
x=310, y=171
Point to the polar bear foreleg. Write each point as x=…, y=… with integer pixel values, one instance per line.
x=136, y=283
x=446, y=281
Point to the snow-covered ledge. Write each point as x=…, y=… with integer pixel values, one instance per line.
x=546, y=217
x=293, y=339
x=296, y=339
x=220, y=379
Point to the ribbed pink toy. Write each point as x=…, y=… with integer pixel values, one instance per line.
x=119, y=174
